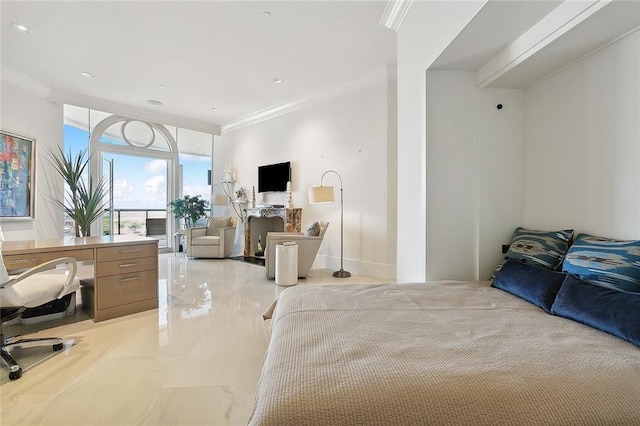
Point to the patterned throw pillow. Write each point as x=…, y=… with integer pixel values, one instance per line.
x=544, y=249
x=215, y=224
x=313, y=230
x=605, y=262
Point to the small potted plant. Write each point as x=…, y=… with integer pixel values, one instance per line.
x=188, y=208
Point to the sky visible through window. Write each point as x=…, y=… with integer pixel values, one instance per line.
x=140, y=183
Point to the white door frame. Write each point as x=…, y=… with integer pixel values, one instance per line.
x=97, y=161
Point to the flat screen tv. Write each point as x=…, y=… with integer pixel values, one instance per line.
x=274, y=177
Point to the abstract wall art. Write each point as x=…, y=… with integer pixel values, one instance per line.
x=17, y=176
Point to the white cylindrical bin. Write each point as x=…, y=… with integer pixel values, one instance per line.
x=287, y=263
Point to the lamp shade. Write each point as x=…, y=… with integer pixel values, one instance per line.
x=321, y=194
x=219, y=200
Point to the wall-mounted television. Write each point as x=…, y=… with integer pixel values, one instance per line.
x=274, y=177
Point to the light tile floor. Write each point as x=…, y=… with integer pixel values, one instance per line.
x=194, y=360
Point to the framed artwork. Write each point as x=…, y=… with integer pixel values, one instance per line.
x=17, y=176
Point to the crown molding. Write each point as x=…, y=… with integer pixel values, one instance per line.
x=23, y=81
x=377, y=76
x=550, y=28
x=394, y=13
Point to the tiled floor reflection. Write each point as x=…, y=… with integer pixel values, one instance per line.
x=194, y=360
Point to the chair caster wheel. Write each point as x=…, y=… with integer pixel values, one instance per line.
x=15, y=375
x=57, y=346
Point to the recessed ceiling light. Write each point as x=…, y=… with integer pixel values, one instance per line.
x=87, y=74
x=154, y=102
x=266, y=13
x=276, y=80
x=161, y=86
x=214, y=109
x=20, y=27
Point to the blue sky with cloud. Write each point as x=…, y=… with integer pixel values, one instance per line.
x=140, y=183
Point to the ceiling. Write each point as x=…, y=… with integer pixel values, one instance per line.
x=193, y=56
x=497, y=27
x=490, y=32
x=200, y=55
x=616, y=19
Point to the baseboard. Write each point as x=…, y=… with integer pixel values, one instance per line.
x=382, y=271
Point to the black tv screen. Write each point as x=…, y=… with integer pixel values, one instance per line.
x=274, y=177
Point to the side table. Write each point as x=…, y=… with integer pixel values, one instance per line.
x=177, y=240
x=286, y=263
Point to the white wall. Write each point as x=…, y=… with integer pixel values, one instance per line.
x=501, y=174
x=348, y=134
x=27, y=114
x=452, y=171
x=474, y=174
x=425, y=32
x=564, y=154
x=582, y=145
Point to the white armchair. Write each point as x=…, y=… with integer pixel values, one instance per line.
x=212, y=241
x=308, y=247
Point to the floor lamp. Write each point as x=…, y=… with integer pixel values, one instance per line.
x=324, y=194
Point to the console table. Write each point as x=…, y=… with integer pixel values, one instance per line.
x=125, y=269
x=291, y=220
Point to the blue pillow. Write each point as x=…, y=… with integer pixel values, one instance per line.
x=612, y=311
x=545, y=249
x=535, y=285
x=605, y=262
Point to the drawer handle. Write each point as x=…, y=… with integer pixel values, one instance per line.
x=128, y=265
x=129, y=251
x=129, y=279
x=19, y=261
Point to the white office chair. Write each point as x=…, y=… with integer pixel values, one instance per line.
x=32, y=288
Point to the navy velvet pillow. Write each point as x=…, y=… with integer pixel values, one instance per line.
x=535, y=285
x=612, y=311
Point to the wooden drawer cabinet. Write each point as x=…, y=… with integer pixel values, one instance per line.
x=29, y=260
x=126, y=280
x=124, y=289
x=125, y=266
x=126, y=252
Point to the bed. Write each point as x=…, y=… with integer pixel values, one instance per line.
x=444, y=352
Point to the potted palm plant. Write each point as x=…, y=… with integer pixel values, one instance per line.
x=83, y=201
x=188, y=208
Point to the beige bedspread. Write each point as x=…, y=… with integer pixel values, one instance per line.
x=459, y=353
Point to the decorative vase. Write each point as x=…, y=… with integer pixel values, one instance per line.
x=228, y=174
x=288, y=203
x=252, y=205
x=259, y=250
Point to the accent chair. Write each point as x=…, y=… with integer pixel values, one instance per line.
x=212, y=241
x=308, y=247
